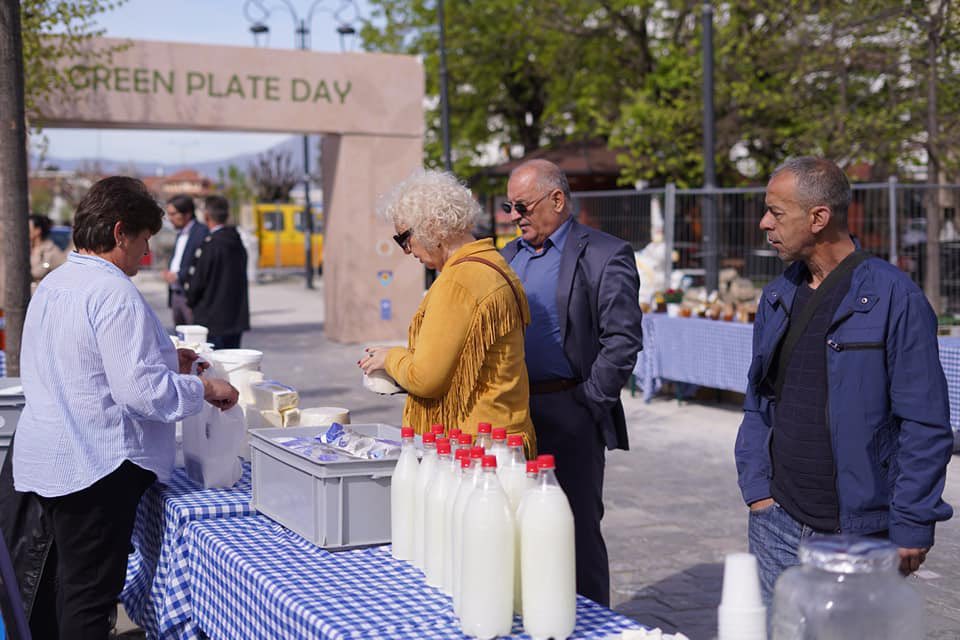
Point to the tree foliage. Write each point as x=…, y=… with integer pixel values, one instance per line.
x=846, y=79
x=273, y=176
x=54, y=30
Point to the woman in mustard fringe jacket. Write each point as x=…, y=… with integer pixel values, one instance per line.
x=464, y=362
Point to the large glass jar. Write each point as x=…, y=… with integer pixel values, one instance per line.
x=846, y=588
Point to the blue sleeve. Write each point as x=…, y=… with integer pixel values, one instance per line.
x=621, y=333
x=751, y=449
x=139, y=378
x=918, y=398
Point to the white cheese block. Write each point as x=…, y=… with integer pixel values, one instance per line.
x=272, y=419
x=270, y=395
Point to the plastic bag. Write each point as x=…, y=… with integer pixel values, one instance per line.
x=213, y=442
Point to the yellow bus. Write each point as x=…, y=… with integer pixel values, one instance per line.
x=280, y=231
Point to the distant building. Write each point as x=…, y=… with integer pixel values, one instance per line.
x=187, y=181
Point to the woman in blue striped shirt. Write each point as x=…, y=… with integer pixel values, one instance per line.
x=103, y=387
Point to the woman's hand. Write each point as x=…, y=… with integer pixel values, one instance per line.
x=374, y=359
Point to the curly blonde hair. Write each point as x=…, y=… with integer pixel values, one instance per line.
x=435, y=204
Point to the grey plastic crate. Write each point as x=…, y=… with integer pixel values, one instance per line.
x=11, y=404
x=335, y=505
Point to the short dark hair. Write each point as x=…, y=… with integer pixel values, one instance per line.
x=184, y=204
x=217, y=208
x=111, y=200
x=820, y=182
x=43, y=223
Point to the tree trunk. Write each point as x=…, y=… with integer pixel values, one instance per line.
x=14, y=246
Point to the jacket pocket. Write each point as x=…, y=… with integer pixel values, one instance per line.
x=854, y=346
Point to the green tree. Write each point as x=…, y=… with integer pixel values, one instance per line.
x=54, y=30
x=235, y=187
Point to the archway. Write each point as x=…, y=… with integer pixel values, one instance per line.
x=369, y=107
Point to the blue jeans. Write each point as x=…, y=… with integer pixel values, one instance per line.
x=774, y=539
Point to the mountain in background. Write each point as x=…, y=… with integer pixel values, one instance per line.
x=209, y=168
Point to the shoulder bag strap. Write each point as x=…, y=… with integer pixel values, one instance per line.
x=505, y=277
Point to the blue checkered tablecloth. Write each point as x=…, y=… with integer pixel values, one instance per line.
x=251, y=578
x=3, y=364
x=157, y=595
x=717, y=354
x=708, y=353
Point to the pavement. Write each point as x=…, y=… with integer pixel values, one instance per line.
x=673, y=508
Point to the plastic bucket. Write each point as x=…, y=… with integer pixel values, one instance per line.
x=227, y=361
x=192, y=334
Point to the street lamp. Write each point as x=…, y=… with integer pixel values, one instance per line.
x=260, y=30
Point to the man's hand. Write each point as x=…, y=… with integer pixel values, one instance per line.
x=761, y=504
x=169, y=276
x=911, y=559
x=219, y=393
x=185, y=360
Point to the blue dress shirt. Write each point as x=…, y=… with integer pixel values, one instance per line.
x=100, y=378
x=539, y=273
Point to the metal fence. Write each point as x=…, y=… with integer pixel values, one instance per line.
x=888, y=218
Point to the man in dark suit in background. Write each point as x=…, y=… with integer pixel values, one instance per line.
x=190, y=233
x=581, y=346
x=216, y=288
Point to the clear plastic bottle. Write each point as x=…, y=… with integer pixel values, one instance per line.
x=402, y=487
x=531, y=471
x=437, y=430
x=500, y=450
x=484, y=436
x=436, y=501
x=487, y=577
x=547, y=558
x=428, y=465
x=846, y=587
x=461, y=467
x=514, y=476
x=467, y=484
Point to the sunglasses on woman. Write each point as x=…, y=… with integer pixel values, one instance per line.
x=403, y=239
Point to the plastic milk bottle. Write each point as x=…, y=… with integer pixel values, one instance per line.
x=428, y=465
x=402, y=488
x=547, y=558
x=467, y=485
x=436, y=502
x=487, y=579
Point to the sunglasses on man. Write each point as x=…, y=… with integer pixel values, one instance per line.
x=522, y=209
x=403, y=239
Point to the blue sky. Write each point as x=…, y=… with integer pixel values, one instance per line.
x=200, y=21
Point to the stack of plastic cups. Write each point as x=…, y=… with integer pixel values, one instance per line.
x=741, y=615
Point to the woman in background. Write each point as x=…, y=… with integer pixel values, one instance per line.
x=464, y=362
x=45, y=256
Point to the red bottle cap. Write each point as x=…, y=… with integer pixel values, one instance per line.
x=484, y=427
x=465, y=463
x=462, y=454
x=443, y=447
x=429, y=437
x=545, y=461
x=476, y=453
x=440, y=441
x=515, y=440
x=454, y=433
x=406, y=432
x=499, y=433
x=465, y=439
x=533, y=466
x=489, y=462
x=437, y=429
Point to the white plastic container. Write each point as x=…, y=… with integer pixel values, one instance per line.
x=531, y=471
x=192, y=335
x=227, y=361
x=213, y=442
x=547, y=558
x=436, y=502
x=402, y=497
x=461, y=466
x=514, y=475
x=467, y=484
x=484, y=436
x=428, y=466
x=487, y=578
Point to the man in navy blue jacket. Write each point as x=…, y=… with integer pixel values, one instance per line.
x=846, y=418
x=581, y=345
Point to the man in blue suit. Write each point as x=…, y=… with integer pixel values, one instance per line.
x=181, y=212
x=581, y=345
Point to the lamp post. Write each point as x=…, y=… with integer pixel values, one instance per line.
x=260, y=30
x=710, y=240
